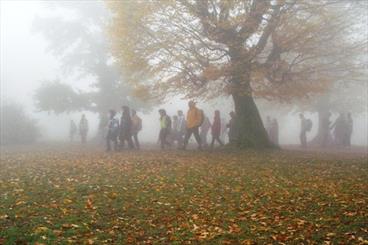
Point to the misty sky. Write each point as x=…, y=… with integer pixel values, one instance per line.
x=26, y=63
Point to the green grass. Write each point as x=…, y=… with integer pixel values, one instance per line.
x=87, y=197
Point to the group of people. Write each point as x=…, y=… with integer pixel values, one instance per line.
x=175, y=131
x=179, y=129
x=342, y=130
x=126, y=130
x=83, y=129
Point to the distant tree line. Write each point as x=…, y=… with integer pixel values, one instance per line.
x=17, y=127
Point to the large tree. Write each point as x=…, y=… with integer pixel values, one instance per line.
x=274, y=49
x=80, y=43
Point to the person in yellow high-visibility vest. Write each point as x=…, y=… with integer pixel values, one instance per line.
x=165, y=125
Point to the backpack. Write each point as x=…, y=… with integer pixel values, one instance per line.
x=308, y=125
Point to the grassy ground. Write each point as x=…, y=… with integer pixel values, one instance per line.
x=152, y=197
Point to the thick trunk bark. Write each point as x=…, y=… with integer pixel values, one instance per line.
x=249, y=126
x=251, y=132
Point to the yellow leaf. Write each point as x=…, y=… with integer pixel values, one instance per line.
x=41, y=229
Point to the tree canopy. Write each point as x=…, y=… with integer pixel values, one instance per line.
x=81, y=45
x=287, y=48
x=280, y=50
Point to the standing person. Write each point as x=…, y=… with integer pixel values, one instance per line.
x=175, y=130
x=126, y=128
x=339, y=129
x=349, y=129
x=181, y=128
x=216, y=129
x=194, y=121
x=204, y=128
x=136, y=127
x=73, y=130
x=232, y=128
x=274, y=131
x=83, y=128
x=325, y=124
x=305, y=126
x=112, y=131
x=165, y=125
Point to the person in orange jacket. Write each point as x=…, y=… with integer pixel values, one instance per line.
x=194, y=121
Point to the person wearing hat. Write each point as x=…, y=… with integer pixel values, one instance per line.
x=194, y=121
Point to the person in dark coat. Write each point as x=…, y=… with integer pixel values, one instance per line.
x=339, y=130
x=126, y=129
x=232, y=128
x=83, y=129
x=216, y=129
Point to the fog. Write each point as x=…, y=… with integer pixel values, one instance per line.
x=27, y=62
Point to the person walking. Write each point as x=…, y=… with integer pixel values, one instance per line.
x=325, y=130
x=165, y=125
x=72, y=130
x=181, y=128
x=216, y=129
x=83, y=128
x=112, y=131
x=305, y=126
x=232, y=128
x=223, y=130
x=174, y=135
x=204, y=129
x=136, y=128
x=126, y=128
x=194, y=121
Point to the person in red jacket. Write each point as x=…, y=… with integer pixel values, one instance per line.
x=216, y=129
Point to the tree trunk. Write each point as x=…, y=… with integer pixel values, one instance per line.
x=249, y=126
x=251, y=132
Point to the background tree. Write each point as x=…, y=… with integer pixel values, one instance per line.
x=336, y=101
x=207, y=48
x=81, y=45
x=16, y=126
